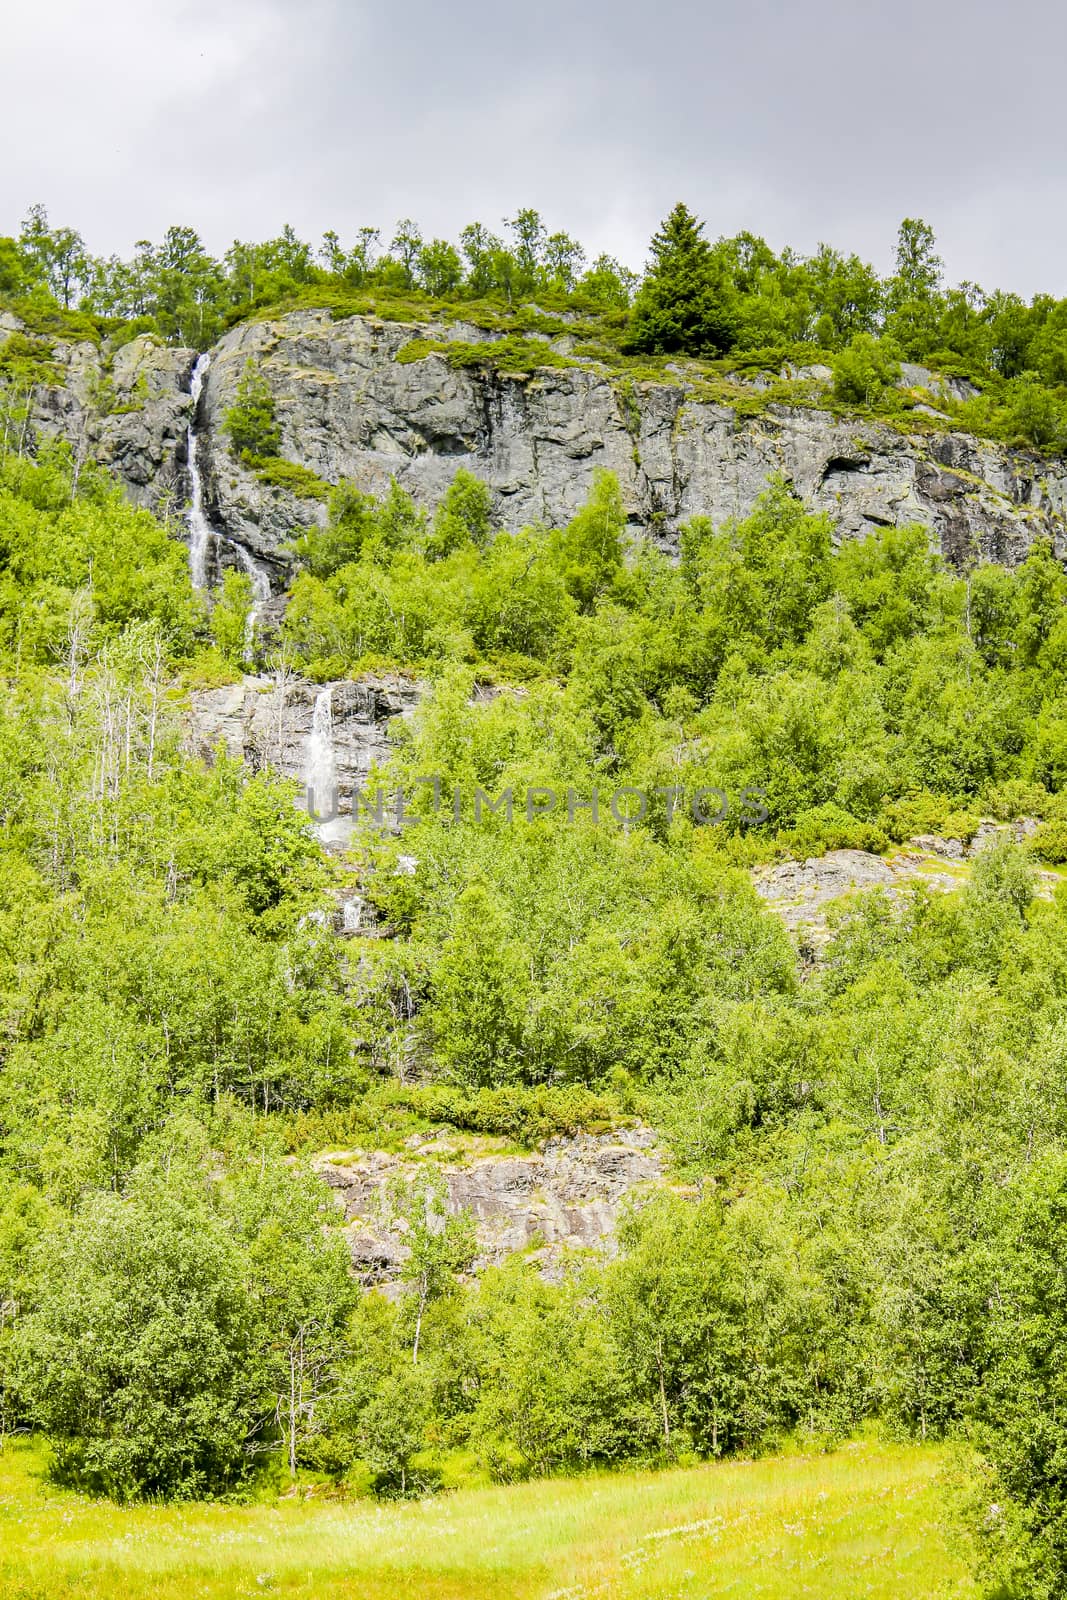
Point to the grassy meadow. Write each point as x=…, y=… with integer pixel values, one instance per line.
x=868, y=1520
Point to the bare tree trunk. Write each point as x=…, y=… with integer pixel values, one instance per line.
x=663, y=1397
x=292, y=1408
x=423, y=1287
x=25, y=420
x=155, y=677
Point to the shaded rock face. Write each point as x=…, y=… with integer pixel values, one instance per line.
x=565, y=1196
x=349, y=409
x=127, y=409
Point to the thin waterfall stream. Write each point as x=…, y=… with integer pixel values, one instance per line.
x=203, y=537
x=201, y=533
x=320, y=768
x=260, y=577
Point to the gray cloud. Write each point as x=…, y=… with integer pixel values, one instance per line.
x=803, y=122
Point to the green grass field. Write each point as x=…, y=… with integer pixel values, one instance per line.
x=865, y=1521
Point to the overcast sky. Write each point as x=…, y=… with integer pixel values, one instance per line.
x=816, y=119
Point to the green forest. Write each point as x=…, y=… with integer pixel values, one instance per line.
x=866, y=1225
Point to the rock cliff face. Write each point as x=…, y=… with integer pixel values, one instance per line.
x=565, y=1196
x=128, y=409
x=268, y=722
x=348, y=408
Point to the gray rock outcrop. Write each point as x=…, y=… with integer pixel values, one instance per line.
x=565, y=1196
x=126, y=408
x=801, y=892
x=349, y=408
x=267, y=720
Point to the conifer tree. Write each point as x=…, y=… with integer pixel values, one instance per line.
x=683, y=304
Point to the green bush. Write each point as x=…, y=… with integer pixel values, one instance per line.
x=526, y=1116
x=26, y=359
x=134, y=1357
x=1035, y=413
x=1049, y=842
x=515, y=353
x=292, y=478
x=829, y=828
x=865, y=371
x=1017, y=798
x=927, y=813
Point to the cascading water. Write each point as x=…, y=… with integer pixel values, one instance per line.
x=320, y=768
x=202, y=536
x=260, y=593
x=200, y=530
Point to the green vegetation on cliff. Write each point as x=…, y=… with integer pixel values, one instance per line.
x=736, y=302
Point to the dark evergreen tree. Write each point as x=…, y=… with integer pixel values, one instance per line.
x=684, y=303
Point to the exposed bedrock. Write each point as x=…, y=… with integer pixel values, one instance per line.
x=565, y=1196
x=348, y=408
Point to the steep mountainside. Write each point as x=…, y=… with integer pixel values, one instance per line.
x=369, y=400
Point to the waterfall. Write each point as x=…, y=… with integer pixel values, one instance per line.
x=200, y=531
x=202, y=535
x=320, y=770
x=260, y=593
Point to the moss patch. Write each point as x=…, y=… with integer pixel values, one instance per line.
x=510, y=354
x=291, y=477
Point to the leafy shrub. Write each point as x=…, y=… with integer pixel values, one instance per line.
x=1016, y=798
x=514, y=353
x=462, y=516
x=524, y=1115
x=133, y=1359
x=1049, y=841
x=1021, y=1503
x=865, y=371
x=1034, y=413
x=418, y=350
x=927, y=813
x=829, y=828
x=290, y=476
x=26, y=359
